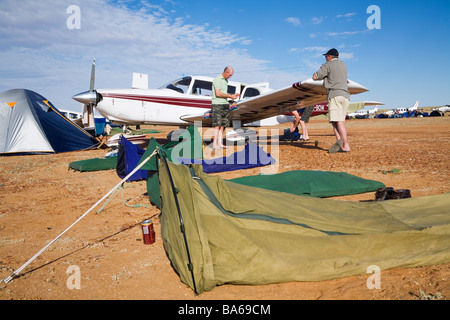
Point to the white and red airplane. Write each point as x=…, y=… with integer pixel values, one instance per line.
x=187, y=100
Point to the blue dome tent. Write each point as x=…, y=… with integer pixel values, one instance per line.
x=30, y=124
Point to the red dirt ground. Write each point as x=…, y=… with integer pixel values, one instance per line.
x=40, y=197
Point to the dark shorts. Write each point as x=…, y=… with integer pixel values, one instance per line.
x=220, y=115
x=307, y=114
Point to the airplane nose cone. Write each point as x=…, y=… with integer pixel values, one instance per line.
x=88, y=97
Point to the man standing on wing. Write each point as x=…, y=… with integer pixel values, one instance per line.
x=334, y=75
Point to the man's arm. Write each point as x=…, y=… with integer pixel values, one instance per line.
x=220, y=94
x=321, y=73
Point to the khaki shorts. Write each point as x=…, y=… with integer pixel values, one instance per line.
x=337, y=109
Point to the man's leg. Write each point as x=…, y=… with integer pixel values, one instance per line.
x=216, y=138
x=220, y=138
x=336, y=131
x=343, y=135
x=306, y=115
x=304, y=130
x=339, y=145
x=296, y=120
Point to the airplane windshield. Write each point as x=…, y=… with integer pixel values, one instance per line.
x=180, y=85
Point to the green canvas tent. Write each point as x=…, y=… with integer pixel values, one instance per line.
x=218, y=232
x=189, y=144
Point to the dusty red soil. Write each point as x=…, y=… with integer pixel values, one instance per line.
x=40, y=197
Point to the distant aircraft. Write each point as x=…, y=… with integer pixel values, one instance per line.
x=71, y=115
x=445, y=109
x=187, y=100
x=363, y=112
x=400, y=111
x=389, y=112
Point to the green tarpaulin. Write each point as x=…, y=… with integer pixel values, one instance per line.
x=94, y=164
x=321, y=184
x=236, y=234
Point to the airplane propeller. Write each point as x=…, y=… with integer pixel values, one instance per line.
x=91, y=97
x=92, y=85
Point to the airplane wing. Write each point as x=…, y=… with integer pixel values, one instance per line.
x=310, y=92
x=373, y=103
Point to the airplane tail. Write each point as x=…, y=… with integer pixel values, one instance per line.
x=416, y=105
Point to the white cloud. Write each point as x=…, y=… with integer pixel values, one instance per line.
x=317, y=20
x=346, y=55
x=294, y=21
x=347, y=15
x=39, y=52
x=347, y=33
x=315, y=49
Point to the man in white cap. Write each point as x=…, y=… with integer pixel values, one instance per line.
x=334, y=75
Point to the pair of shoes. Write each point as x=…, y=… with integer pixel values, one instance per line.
x=303, y=139
x=337, y=147
x=389, y=194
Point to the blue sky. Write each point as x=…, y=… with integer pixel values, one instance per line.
x=281, y=42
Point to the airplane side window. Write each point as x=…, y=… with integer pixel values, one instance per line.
x=180, y=86
x=173, y=87
x=251, y=92
x=203, y=88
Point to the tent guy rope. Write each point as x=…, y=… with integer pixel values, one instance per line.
x=15, y=273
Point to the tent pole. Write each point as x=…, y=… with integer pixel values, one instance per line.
x=183, y=231
x=15, y=273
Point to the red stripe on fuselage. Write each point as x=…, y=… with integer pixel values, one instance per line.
x=192, y=103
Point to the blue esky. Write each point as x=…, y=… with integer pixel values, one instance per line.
x=281, y=42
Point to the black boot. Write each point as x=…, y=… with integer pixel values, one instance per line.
x=389, y=194
x=384, y=194
x=401, y=194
